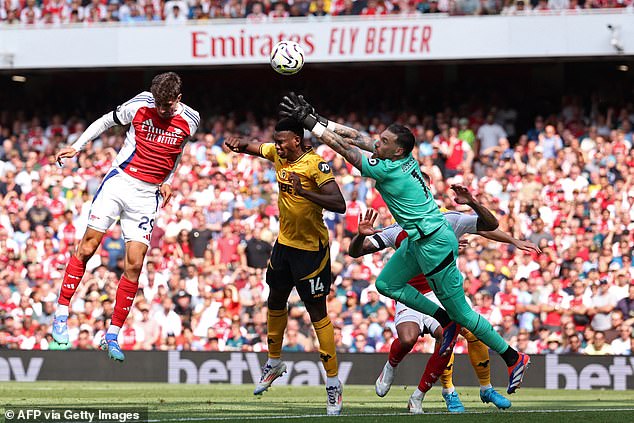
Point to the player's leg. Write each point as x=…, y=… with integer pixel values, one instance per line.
x=313, y=285
x=280, y=281
x=446, y=281
x=479, y=357
x=73, y=275
x=393, y=282
x=408, y=328
x=126, y=291
x=436, y=367
x=103, y=212
x=139, y=203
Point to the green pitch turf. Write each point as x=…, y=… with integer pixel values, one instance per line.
x=198, y=403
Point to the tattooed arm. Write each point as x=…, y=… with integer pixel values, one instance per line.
x=297, y=108
x=343, y=146
x=354, y=137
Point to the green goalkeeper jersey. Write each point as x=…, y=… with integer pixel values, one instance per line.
x=406, y=194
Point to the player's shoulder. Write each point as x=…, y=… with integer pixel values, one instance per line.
x=451, y=213
x=145, y=97
x=393, y=227
x=315, y=159
x=191, y=114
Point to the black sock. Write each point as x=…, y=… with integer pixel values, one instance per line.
x=442, y=317
x=510, y=356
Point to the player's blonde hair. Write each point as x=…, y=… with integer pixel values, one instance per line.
x=166, y=87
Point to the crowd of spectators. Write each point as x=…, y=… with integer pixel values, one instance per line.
x=567, y=185
x=47, y=12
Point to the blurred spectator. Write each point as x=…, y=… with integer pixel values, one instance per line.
x=598, y=346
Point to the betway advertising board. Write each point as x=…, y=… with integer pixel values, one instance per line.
x=325, y=41
x=549, y=371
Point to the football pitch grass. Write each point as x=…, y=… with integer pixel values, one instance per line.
x=199, y=403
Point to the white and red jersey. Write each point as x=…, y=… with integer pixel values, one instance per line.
x=506, y=303
x=153, y=145
x=393, y=235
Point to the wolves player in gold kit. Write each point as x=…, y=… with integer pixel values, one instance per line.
x=301, y=255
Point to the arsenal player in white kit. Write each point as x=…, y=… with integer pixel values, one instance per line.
x=138, y=182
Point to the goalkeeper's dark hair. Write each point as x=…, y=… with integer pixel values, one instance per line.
x=166, y=87
x=404, y=137
x=288, y=124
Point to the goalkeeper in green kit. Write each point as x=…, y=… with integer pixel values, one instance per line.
x=431, y=246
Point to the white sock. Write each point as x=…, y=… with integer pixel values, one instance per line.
x=418, y=394
x=273, y=361
x=332, y=381
x=114, y=329
x=392, y=367
x=62, y=310
x=485, y=387
x=449, y=390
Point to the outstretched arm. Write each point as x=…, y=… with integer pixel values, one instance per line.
x=238, y=145
x=297, y=108
x=341, y=145
x=361, y=244
x=95, y=129
x=486, y=220
x=501, y=236
x=352, y=135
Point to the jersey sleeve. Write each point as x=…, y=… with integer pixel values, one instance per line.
x=321, y=172
x=267, y=150
x=373, y=168
x=124, y=114
x=193, y=119
x=387, y=237
x=462, y=223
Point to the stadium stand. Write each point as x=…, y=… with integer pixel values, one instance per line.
x=55, y=12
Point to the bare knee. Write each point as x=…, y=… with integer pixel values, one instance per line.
x=88, y=245
x=135, y=253
x=317, y=311
x=408, y=334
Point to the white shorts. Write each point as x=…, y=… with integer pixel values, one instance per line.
x=426, y=323
x=134, y=202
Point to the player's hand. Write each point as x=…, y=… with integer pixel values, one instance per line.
x=462, y=245
x=65, y=153
x=366, y=223
x=166, y=193
x=527, y=246
x=295, y=180
x=235, y=144
x=463, y=196
x=291, y=107
x=306, y=104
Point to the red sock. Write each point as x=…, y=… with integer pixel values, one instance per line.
x=72, y=277
x=434, y=368
x=125, y=298
x=397, y=352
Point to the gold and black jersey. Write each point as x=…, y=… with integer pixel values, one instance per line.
x=301, y=221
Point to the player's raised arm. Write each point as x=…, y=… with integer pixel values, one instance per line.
x=355, y=137
x=361, y=244
x=239, y=145
x=501, y=236
x=292, y=107
x=486, y=220
x=95, y=129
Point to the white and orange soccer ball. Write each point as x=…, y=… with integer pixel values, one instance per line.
x=287, y=57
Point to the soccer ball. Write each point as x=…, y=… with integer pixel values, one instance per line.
x=287, y=57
